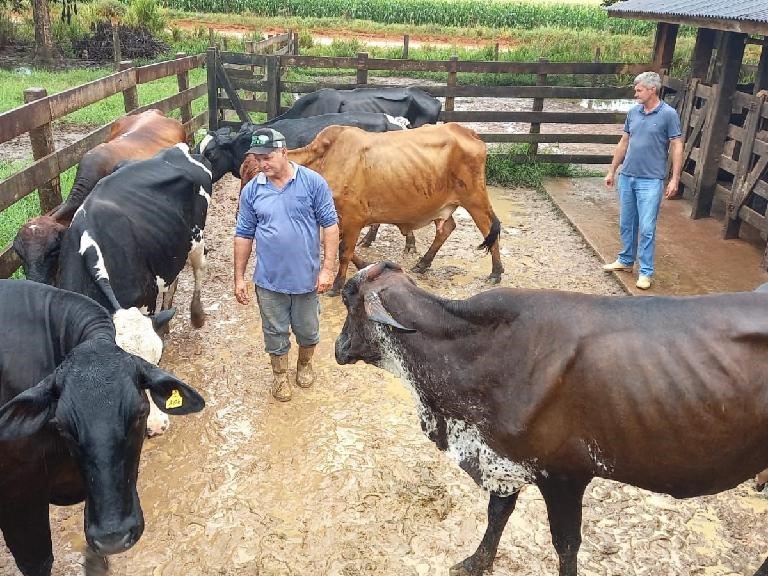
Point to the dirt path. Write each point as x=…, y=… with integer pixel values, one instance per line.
x=341, y=481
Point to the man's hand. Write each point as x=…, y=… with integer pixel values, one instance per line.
x=241, y=291
x=609, y=179
x=672, y=187
x=324, y=280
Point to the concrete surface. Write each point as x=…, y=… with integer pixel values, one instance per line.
x=691, y=255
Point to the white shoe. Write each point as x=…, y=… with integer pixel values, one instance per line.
x=615, y=266
x=643, y=282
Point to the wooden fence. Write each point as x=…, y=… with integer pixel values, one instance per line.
x=229, y=72
x=36, y=116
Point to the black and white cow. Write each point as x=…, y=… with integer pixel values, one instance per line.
x=225, y=150
x=72, y=420
x=554, y=388
x=123, y=249
x=412, y=103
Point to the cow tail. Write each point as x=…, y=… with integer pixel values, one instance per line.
x=493, y=235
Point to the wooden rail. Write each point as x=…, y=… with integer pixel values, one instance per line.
x=35, y=117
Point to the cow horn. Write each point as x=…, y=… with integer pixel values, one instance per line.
x=375, y=310
x=375, y=270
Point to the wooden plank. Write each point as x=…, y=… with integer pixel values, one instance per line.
x=211, y=63
x=524, y=138
x=261, y=45
x=273, y=92
x=9, y=262
x=687, y=180
x=558, y=158
x=248, y=105
x=728, y=164
x=257, y=85
x=78, y=97
x=24, y=118
x=761, y=189
x=242, y=58
x=159, y=70
x=199, y=121
x=175, y=101
x=223, y=80
x=542, y=117
x=752, y=218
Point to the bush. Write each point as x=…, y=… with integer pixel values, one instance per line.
x=145, y=13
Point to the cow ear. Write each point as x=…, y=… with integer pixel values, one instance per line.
x=28, y=412
x=162, y=318
x=375, y=310
x=170, y=394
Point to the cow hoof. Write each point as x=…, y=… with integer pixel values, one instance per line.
x=494, y=278
x=198, y=320
x=333, y=292
x=461, y=570
x=420, y=267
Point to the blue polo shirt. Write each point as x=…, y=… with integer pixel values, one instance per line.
x=649, y=136
x=286, y=227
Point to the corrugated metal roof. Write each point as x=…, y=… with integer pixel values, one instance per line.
x=742, y=10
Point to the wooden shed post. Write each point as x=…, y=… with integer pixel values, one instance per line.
x=729, y=53
x=406, y=41
x=42, y=145
x=664, y=46
x=702, y=53
x=182, y=79
x=761, y=78
x=211, y=61
x=130, y=94
x=362, y=68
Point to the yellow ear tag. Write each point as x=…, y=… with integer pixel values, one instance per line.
x=174, y=400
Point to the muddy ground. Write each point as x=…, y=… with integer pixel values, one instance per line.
x=341, y=482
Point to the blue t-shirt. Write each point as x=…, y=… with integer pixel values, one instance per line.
x=286, y=226
x=649, y=136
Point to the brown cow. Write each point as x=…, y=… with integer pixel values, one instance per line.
x=135, y=137
x=406, y=178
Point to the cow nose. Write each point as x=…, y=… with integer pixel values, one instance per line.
x=342, y=345
x=114, y=543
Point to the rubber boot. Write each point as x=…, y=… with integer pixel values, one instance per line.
x=305, y=375
x=281, y=387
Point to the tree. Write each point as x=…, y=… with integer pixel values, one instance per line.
x=41, y=14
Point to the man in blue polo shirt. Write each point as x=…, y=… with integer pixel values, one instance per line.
x=283, y=209
x=651, y=132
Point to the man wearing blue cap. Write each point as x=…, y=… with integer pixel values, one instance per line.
x=283, y=209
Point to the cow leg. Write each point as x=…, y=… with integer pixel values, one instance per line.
x=370, y=236
x=490, y=228
x=499, y=510
x=348, y=233
x=410, y=243
x=441, y=235
x=27, y=534
x=169, y=294
x=95, y=564
x=563, y=499
x=197, y=260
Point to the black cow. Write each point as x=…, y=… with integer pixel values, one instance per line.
x=412, y=103
x=225, y=150
x=72, y=419
x=556, y=388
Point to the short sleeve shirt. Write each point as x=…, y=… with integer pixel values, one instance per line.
x=286, y=227
x=649, y=136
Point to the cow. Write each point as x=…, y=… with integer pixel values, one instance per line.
x=555, y=388
x=406, y=178
x=226, y=150
x=130, y=239
x=411, y=103
x=134, y=137
x=72, y=419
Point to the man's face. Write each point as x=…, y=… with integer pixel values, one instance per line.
x=274, y=163
x=644, y=93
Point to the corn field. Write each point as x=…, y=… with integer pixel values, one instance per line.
x=463, y=13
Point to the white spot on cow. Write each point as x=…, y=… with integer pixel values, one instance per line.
x=205, y=195
x=144, y=310
x=597, y=457
x=87, y=242
x=79, y=210
x=184, y=148
x=123, y=135
x=400, y=121
x=204, y=142
x=33, y=226
x=161, y=285
x=134, y=334
x=466, y=445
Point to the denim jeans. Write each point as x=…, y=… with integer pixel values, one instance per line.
x=639, y=201
x=281, y=312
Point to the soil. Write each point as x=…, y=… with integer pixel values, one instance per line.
x=341, y=481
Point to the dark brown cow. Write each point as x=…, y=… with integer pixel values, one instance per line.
x=407, y=178
x=135, y=137
x=553, y=388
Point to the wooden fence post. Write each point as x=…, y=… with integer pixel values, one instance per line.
x=213, y=89
x=451, y=82
x=406, y=41
x=538, y=104
x=42, y=145
x=130, y=94
x=116, y=43
x=273, y=86
x=496, y=52
x=210, y=38
x=362, y=68
x=185, y=109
